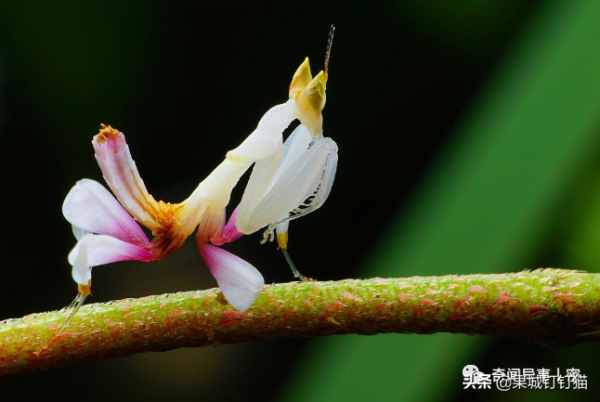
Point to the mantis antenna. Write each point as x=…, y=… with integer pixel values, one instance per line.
x=329, y=45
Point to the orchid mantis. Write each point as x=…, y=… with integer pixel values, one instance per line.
x=288, y=181
x=296, y=178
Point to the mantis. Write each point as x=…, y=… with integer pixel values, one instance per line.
x=289, y=180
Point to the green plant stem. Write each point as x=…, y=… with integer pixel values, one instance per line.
x=549, y=307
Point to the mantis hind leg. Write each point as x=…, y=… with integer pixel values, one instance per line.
x=282, y=241
x=75, y=305
x=295, y=271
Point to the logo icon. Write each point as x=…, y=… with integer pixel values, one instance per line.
x=476, y=379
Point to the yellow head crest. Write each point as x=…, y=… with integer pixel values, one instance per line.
x=301, y=79
x=309, y=92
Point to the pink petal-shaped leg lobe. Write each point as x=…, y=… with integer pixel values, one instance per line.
x=90, y=207
x=121, y=174
x=239, y=281
x=93, y=250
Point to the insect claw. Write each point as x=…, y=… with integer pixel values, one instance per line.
x=268, y=235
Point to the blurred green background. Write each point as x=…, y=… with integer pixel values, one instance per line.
x=469, y=134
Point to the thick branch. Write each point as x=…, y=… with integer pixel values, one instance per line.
x=548, y=307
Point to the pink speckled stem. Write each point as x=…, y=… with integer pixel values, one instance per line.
x=549, y=307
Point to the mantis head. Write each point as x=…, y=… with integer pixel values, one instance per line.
x=309, y=95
